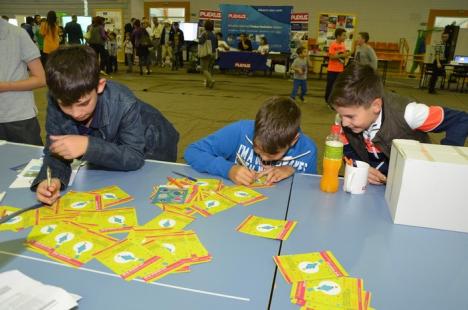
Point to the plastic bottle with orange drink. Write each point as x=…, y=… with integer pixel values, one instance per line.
x=332, y=158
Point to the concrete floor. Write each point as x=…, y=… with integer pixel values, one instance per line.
x=196, y=111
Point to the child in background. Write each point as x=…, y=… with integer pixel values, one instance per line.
x=111, y=46
x=263, y=47
x=128, y=49
x=337, y=55
x=300, y=67
x=273, y=146
x=371, y=118
x=95, y=120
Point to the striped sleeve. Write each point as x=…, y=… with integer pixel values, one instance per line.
x=422, y=117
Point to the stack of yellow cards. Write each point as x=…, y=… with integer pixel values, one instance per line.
x=267, y=228
x=320, y=282
x=17, y=223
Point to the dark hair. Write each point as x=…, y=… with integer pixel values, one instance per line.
x=52, y=21
x=137, y=23
x=208, y=25
x=5, y=17
x=358, y=85
x=29, y=20
x=339, y=32
x=299, y=50
x=264, y=40
x=72, y=72
x=365, y=36
x=276, y=124
x=219, y=34
x=175, y=24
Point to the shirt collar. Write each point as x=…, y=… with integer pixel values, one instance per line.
x=373, y=128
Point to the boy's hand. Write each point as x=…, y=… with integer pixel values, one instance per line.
x=276, y=174
x=69, y=146
x=48, y=195
x=376, y=177
x=241, y=175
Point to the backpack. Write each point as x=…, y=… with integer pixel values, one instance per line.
x=205, y=49
x=145, y=40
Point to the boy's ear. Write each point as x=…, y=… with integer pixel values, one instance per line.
x=376, y=105
x=101, y=85
x=295, y=139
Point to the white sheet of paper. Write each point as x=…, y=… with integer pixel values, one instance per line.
x=19, y=291
x=29, y=173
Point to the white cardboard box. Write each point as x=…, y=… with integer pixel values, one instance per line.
x=427, y=185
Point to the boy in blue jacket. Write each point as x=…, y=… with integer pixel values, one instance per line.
x=273, y=145
x=95, y=120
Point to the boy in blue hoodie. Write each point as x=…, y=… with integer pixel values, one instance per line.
x=272, y=146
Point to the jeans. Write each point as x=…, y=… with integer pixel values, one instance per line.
x=303, y=85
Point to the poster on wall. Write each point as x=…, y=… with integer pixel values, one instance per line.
x=272, y=22
x=299, y=30
x=213, y=15
x=328, y=23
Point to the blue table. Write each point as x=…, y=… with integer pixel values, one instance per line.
x=240, y=275
x=249, y=61
x=404, y=267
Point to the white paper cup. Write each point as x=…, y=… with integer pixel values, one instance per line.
x=355, y=180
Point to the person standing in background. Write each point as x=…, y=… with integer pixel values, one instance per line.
x=156, y=36
x=73, y=31
x=207, y=61
x=18, y=113
x=337, y=56
x=365, y=54
x=50, y=32
x=178, y=46
x=441, y=55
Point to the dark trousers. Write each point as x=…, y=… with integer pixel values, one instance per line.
x=436, y=72
x=102, y=53
x=112, y=65
x=27, y=131
x=331, y=77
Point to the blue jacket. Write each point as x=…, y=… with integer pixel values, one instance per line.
x=124, y=131
x=216, y=154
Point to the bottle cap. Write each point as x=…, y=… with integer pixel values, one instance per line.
x=336, y=129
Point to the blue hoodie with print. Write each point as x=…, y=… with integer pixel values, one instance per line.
x=216, y=154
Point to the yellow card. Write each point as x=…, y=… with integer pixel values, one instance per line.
x=170, y=220
x=111, y=220
x=112, y=195
x=79, y=201
x=212, y=204
x=267, y=228
x=309, y=266
x=126, y=258
x=261, y=183
x=209, y=184
x=82, y=248
x=141, y=235
x=184, y=209
x=17, y=223
x=242, y=194
x=54, y=237
x=338, y=292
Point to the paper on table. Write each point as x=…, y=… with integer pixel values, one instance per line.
x=29, y=173
x=2, y=195
x=21, y=292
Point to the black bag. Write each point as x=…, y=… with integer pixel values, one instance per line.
x=145, y=40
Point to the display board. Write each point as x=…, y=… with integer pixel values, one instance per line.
x=329, y=22
x=272, y=22
x=299, y=30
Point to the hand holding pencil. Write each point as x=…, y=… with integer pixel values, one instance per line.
x=48, y=191
x=241, y=174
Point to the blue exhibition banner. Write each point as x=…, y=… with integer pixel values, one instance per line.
x=271, y=22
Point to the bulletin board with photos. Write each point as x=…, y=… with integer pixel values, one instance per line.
x=113, y=23
x=329, y=22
